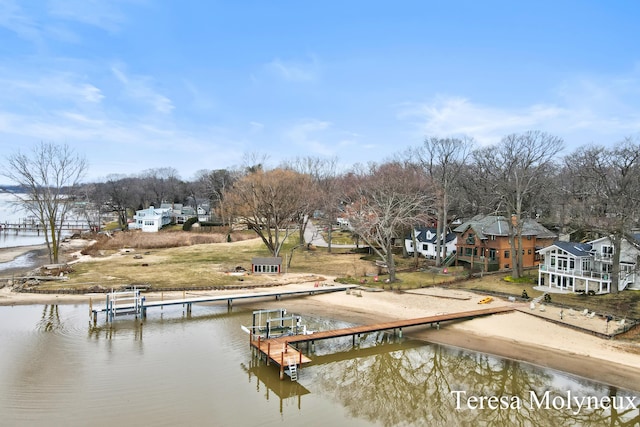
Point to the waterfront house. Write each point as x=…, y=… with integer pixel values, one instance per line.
x=151, y=219
x=586, y=267
x=483, y=242
x=426, y=243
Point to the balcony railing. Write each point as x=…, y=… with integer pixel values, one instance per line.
x=605, y=277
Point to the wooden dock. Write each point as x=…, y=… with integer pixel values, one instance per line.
x=140, y=306
x=37, y=227
x=280, y=350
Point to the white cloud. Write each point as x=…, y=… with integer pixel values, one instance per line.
x=256, y=126
x=97, y=13
x=308, y=135
x=57, y=87
x=140, y=88
x=15, y=19
x=295, y=71
x=585, y=112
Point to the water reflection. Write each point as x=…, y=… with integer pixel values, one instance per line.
x=57, y=368
x=418, y=386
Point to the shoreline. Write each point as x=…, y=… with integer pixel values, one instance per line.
x=11, y=253
x=521, y=335
x=545, y=344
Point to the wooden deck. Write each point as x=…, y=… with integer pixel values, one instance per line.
x=280, y=351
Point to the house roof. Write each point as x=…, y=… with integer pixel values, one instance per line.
x=267, y=260
x=574, y=248
x=497, y=225
x=428, y=235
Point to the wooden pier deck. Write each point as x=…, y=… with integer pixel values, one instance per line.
x=280, y=353
x=144, y=305
x=280, y=350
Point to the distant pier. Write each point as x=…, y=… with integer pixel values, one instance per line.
x=34, y=226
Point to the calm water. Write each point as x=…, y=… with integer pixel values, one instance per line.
x=58, y=369
x=11, y=213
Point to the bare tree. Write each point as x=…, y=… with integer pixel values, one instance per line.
x=392, y=197
x=323, y=197
x=269, y=203
x=608, y=191
x=120, y=194
x=516, y=168
x=161, y=185
x=443, y=159
x=213, y=185
x=48, y=176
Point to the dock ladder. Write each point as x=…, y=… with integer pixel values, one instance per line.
x=293, y=370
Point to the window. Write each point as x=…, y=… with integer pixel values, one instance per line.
x=529, y=252
x=606, y=251
x=492, y=254
x=506, y=255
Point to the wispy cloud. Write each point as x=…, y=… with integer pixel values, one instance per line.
x=295, y=71
x=305, y=134
x=583, y=110
x=97, y=13
x=51, y=88
x=15, y=19
x=140, y=88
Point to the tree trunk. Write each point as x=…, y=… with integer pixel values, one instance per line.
x=391, y=266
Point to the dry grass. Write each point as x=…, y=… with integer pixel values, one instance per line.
x=139, y=240
x=177, y=260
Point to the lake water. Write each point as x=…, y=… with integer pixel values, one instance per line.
x=12, y=214
x=57, y=368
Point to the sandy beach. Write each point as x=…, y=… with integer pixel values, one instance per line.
x=543, y=337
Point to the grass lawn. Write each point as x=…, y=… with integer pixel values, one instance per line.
x=152, y=261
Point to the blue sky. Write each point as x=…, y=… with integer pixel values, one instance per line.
x=141, y=84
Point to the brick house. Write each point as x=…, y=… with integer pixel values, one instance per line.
x=483, y=242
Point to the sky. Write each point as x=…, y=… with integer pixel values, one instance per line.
x=134, y=85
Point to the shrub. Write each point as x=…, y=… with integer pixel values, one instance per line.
x=189, y=223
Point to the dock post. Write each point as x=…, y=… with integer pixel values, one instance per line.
x=229, y=303
x=268, y=352
x=400, y=332
x=281, y=366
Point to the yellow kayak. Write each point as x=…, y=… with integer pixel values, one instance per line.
x=485, y=300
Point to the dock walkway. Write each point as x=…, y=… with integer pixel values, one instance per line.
x=143, y=305
x=281, y=352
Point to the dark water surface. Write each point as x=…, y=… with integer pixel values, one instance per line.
x=174, y=369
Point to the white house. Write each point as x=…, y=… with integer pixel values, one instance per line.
x=426, y=242
x=586, y=267
x=151, y=219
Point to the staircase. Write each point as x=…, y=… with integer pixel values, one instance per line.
x=449, y=260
